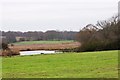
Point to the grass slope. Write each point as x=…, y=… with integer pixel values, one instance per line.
x=42, y=42
x=102, y=64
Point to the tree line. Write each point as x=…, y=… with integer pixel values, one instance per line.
x=39, y=35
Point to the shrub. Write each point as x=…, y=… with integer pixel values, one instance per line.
x=9, y=53
x=5, y=46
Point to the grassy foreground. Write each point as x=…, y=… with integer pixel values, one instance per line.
x=42, y=42
x=102, y=64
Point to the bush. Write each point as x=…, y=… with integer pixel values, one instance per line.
x=9, y=53
x=5, y=46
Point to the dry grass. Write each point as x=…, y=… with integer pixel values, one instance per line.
x=9, y=52
x=57, y=46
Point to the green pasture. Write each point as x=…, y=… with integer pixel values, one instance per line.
x=101, y=64
x=42, y=42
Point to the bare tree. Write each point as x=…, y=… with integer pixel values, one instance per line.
x=107, y=23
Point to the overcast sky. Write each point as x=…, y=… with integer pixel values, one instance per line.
x=42, y=15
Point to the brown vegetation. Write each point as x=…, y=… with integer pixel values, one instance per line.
x=105, y=38
x=6, y=51
x=9, y=53
x=57, y=46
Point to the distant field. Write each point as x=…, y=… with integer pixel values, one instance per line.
x=42, y=42
x=44, y=45
x=102, y=64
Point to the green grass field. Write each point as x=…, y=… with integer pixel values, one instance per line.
x=42, y=42
x=102, y=64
